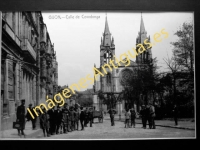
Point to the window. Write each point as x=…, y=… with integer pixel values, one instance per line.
x=108, y=78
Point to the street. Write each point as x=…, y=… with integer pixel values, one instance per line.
x=106, y=131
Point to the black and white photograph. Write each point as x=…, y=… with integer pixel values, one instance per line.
x=97, y=75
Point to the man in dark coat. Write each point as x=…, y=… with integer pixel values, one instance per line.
x=112, y=113
x=76, y=118
x=90, y=116
x=21, y=118
x=52, y=115
x=82, y=118
x=44, y=122
x=152, y=116
x=175, y=113
x=71, y=118
x=58, y=120
x=143, y=116
x=148, y=116
x=133, y=116
x=65, y=119
x=29, y=117
x=86, y=117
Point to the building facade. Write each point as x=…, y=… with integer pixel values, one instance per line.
x=116, y=80
x=29, y=69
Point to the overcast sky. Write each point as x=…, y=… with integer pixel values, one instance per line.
x=77, y=41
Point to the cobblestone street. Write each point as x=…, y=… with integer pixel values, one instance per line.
x=106, y=131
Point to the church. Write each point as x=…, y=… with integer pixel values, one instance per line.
x=118, y=79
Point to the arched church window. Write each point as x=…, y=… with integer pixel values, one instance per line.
x=105, y=57
x=108, y=78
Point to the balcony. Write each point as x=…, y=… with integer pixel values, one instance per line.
x=26, y=46
x=11, y=33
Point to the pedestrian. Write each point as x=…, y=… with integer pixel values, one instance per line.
x=148, y=118
x=29, y=117
x=175, y=113
x=112, y=113
x=76, y=117
x=52, y=115
x=143, y=116
x=65, y=118
x=152, y=116
x=90, y=116
x=44, y=122
x=82, y=118
x=133, y=116
x=21, y=118
x=86, y=117
x=58, y=120
x=71, y=118
x=127, y=118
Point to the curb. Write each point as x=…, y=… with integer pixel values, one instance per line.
x=172, y=127
x=162, y=125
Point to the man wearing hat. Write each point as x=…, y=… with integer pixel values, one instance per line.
x=90, y=116
x=71, y=118
x=58, y=120
x=21, y=118
x=152, y=116
x=143, y=116
x=112, y=113
x=65, y=118
x=29, y=117
x=82, y=118
x=52, y=115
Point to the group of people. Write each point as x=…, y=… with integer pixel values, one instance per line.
x=147, y=113
x=55, y=121
x=130, y=116
x=64, y=120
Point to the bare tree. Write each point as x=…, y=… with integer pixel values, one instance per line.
x=174, y=68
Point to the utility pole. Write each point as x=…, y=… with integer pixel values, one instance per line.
x=0, y=66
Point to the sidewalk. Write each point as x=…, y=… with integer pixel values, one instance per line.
x=182, y=123
x=13, y=133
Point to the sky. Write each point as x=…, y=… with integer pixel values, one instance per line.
x=77, y=38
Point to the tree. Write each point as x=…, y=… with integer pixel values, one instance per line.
x=174, y=68
x=183, y=47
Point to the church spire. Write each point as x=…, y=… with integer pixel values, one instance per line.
x=142, y=29
x=142, y=34
x=106, y=35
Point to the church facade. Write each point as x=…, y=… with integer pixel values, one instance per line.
x=115, y=81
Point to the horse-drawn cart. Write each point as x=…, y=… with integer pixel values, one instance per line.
x=99, y=115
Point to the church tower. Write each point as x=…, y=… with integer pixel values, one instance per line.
x=107, y=51
x=146, y=56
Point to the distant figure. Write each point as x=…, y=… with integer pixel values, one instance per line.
x=112, y=113
x=21, y=118
x=127, y=118
x=133, y=116
x=59, y=120
x=76, y=119
x=152, y=116
x=90, y=116
x=175, y=113
x=29, y=117
x=44, y=122
x=86, y=117
x=72, y=118
x=143, y=116
x=52, y=115
x=82, y=118
x=65, y=118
